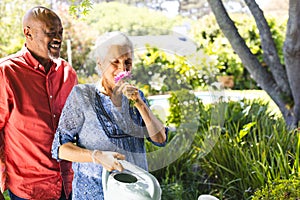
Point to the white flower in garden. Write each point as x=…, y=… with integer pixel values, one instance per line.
x=157, y=81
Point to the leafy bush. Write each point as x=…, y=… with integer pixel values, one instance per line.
x=251, y=148
x=279, y=189
x=181, y=179
x=158, y=72
x=254, y=148
x=155, y=74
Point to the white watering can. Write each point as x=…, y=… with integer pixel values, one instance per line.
x=133, y=183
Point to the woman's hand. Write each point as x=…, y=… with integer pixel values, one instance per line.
x=128, y=90
x=131, y=92
x=108, y=159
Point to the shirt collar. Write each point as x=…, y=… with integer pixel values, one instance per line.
x=55, y=63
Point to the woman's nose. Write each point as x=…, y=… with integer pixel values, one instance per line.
x=122, y=66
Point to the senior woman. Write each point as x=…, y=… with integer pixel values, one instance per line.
x=107, y=121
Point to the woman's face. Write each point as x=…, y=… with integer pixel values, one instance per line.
x=118, y=59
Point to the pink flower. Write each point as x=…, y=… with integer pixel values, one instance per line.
x=123, y=76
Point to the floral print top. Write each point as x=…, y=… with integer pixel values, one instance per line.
x=90, y=120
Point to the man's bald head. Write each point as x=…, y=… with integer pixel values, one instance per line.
x=38, y=13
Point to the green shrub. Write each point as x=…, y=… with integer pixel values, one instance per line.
x=255, y=148
x=251, y=148
x=279, y=189
x=155, y=74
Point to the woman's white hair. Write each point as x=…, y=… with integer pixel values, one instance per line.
x=105, y=41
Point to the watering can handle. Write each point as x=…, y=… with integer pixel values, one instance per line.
x=154, y=188
x=134, y=169
x=105, y=175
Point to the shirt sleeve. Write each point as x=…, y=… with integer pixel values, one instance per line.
x=5, y=99
x=136, y=125
x=70, y=122
x=160, y=144
x=2, y=164
x=166, y=128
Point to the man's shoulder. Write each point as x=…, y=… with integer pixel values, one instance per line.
x=10, y=58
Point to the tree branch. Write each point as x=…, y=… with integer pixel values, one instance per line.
x=251, y=63
x=270, y=53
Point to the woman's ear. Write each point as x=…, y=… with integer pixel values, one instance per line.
x=98, y=62
x=99, y=66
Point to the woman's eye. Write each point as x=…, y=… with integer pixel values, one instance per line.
x=128, y=62
x=114, y=61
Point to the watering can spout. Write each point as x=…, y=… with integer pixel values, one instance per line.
x=133, y=183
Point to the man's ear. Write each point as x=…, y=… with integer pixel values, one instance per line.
x=27, y=32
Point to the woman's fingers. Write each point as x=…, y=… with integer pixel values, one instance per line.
x=109, y=160
x=119, y=156
x=118, y=166
x=131, y=92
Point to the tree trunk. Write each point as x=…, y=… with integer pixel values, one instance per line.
x=274, y=78
x=292, y=56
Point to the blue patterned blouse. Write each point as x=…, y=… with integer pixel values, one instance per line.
x=90, y=120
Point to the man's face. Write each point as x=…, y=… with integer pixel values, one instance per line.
x=46, y=38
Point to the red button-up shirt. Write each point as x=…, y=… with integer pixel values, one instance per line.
x=31, y=102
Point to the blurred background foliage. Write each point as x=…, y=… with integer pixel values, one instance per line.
x=215, y=57
x=105, y=17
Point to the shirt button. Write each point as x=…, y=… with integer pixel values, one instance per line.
x=54, y=116
x=50, y=96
